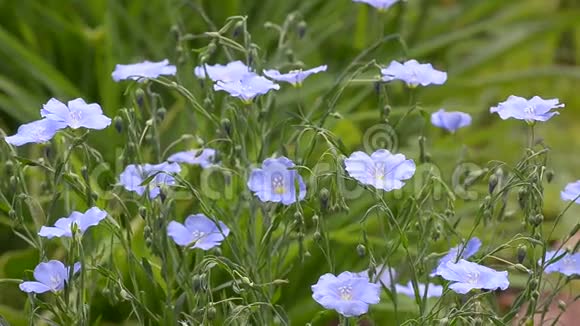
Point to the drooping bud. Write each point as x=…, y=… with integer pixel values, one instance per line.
x=324, y=197
x=238, y=29
x=139, y=97
x=161, y=112
x=317, y=236
x=522, y=250
x=493, y=180
x=550, y=175
x=227, y=126
x=522, y=197
x=301, y=29
x=361, y=250
x=143, y=211
x=211, y=312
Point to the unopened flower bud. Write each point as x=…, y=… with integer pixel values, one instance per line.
x=211, y=48
x=118, y=123
x=315, y=219
x=361, y=250
x=238, y=29
x=227, y=126
x=139, y=97
x=211, y=312
x=9, y=167
x=522, y=250
x=12, y=214
x=493, y=180
x=522, y=198
x=301, y=29
x=143, y=211
x=324, y=197
x=161, y=112
x=85, y=173
x=549, y=175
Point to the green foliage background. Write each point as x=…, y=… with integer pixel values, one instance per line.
x=491, y=49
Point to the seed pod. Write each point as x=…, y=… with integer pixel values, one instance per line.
x=317, y=236
x=562, y=305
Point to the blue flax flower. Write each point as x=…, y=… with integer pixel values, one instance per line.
x=232, y=71
x=63, y=227
x=250, y=86
x=50, y=276
x=384, y=278
x=450, y=120
x=433, y=291
x=198, y=231
x=571, y=192
x=294, y=77
x=203, y=157
x=37, y=132
x=275, y=181
x=143, y=70
x=349, y=294
x=133, y=175
x=568, y=265
x=76, y=115
x=381, y=169
x=414, y=73
x=535, y=109
x=471, y=248
x=467, y=276
x=379, y=4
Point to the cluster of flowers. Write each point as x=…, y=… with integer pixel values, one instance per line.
x=277, y=180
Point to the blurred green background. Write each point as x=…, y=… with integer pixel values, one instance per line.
x=491, y=49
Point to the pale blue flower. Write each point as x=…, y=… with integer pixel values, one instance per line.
x=143, y=70
x=133, y=175
x=202, y=157
x=414, y=73
x=381, y=169
x=198, y=231
x=247, y=88
x=460, y=252
x=568, y=265
x=350, y=295
x=379, y=4
x=294, y=77
x=535, y=109
x=467, y=276
x=50, y=276
x=37, y=132
x=275, y=181
x=230, y=72
x=433, y=291
x=63, y=227
x=571, y=192
x=76, y=115
x=450, y=120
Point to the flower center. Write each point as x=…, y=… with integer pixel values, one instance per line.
x=197, y=235
x=278, y=184
x=472, y=277
x=75, y=118
x=55, y=281
x=379, y=171
x=345, y=292
x=530, y=110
